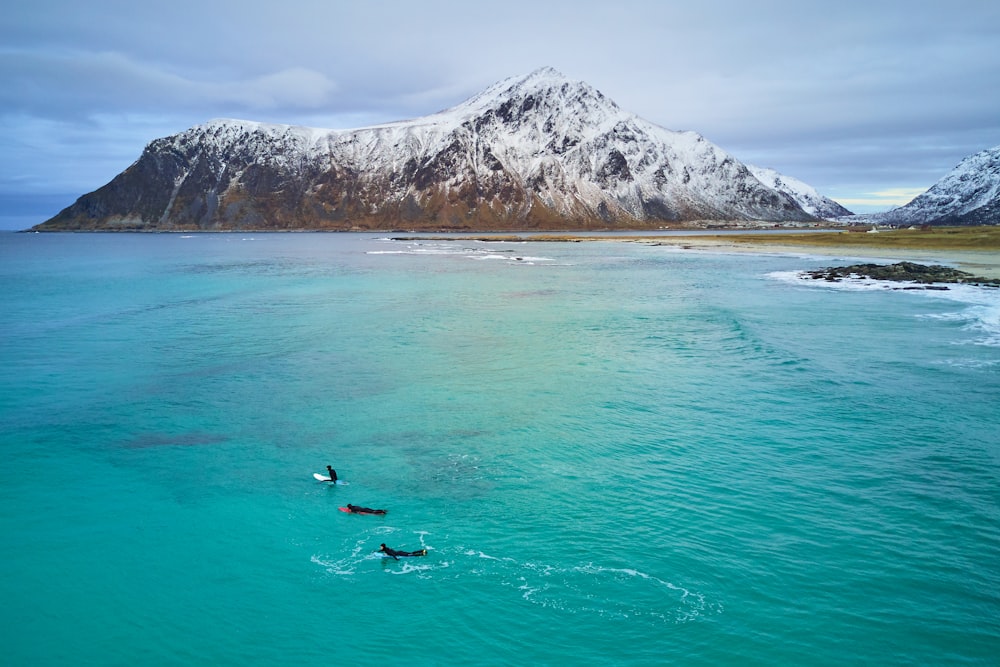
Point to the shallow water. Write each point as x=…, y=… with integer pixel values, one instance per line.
x=614, y=454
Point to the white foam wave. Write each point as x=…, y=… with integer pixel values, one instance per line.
x=352, y=563
x=973, y=364
x=342, y=567
x=980, y=316
x=421, y=249
x=981, y=305
x=846, y=284
x=407, y=566
x=608, y=592
x=486, y=252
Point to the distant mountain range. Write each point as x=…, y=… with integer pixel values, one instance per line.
x=967, y=195
x=534, y=152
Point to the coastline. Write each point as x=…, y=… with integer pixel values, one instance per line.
x=972, y=249
x=975, y=250
x=983, y=263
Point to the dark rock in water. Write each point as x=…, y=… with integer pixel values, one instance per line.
x=929, y=276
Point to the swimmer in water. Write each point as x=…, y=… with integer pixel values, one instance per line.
x=357, y=509
x=396, y=554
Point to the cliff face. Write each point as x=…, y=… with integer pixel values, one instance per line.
x=536, y=152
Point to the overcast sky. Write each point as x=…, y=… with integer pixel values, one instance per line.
x=870, y=102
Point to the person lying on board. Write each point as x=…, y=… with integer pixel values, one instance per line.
x=333, y=474
x=396, y=554
x=357, y=509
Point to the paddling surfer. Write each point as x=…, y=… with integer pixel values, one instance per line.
x=396, y=554
x=357, y=509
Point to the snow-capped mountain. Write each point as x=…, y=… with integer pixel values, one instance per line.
x=805, y=195
x=538, y=151
x=967, y=195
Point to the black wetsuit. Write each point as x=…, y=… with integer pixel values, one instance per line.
x=363, y=510
x=333, y=474
x=396, y=554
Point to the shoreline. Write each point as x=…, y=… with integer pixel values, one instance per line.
x=975, y=250
x=982, y=263
x=972, y=249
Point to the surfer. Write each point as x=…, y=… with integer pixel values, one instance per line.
x=396, y=554
x=357, y=509
x=333, y=474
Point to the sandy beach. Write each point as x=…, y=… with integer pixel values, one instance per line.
x=982, y=263
x=975, y=250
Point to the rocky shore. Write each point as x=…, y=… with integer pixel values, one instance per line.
x=925, y=277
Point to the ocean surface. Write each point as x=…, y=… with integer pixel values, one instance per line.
x=614, y=453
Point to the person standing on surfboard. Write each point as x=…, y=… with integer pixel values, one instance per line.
x=396, y=554
x=333, y=474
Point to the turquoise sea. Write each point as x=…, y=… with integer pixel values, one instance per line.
x=614, y=453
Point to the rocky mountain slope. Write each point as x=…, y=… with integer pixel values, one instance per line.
x=534, y=152
x=967, y=195
x=804, y=195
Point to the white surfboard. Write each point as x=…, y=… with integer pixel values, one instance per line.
x=324, y=478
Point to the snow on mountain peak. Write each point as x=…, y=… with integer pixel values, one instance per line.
x=805, y=195
x=543, y=90
x=529, y=151
x=968, y=194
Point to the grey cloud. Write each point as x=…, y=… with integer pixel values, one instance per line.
x=79, y=84
x=881, y=94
